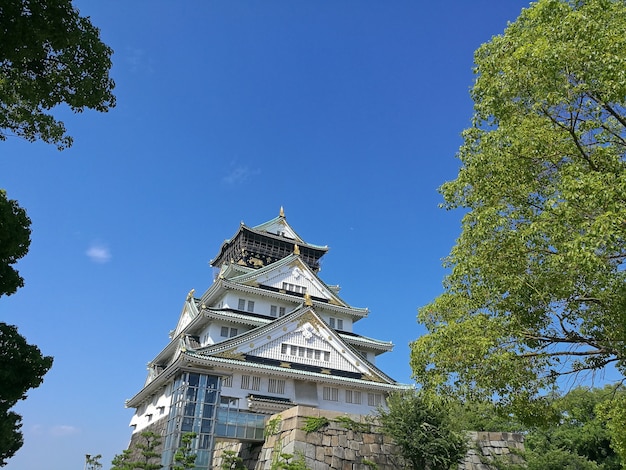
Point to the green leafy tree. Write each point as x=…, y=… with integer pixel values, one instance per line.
x=184, y=458
x=537, y=286
x=92, y=462
x=579, y=437
x=49, y=55
x=144, y=456
x=423, y=429
x=14, y=243
x=22, y=367
x=231, y=461
x=122, y=461
x=150, y=459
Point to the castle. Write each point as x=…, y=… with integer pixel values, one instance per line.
x=266, y=336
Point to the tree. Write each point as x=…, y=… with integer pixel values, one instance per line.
x=423, y=430
x=148, y=457
x=184, y=458
x=92, y=462
x=579, y=439
x=537, y=288
x=14, y=242
x=22, y=367
x=49, y=55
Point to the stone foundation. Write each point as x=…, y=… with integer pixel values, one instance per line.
x=364, y=447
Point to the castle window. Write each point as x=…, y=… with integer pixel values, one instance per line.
x=229, y=402
x=226, y=332
x=273, y=310
x=242, y=304
x=336, y=323
x=281, y=311
x=276, y=386
x=374, y=399
x=250, y=382
x=294, y=288
x=302, y=351
x=331, y=394
x=250, y=305
x=227, y=381
x=353, y=396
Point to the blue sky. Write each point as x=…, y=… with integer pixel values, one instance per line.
x=346, y=113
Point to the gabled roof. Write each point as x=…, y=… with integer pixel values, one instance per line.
x=303, y=327
x=287, y=268
x=260, y=350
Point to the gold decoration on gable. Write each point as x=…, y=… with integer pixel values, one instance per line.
x=231, y=354
x=325, y=371
x=371, y=378
x=308, y=317
x=286, y=365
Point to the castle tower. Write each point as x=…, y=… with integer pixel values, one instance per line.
x=267, y=335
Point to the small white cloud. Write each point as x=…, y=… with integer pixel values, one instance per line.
x=98, y=253
x=63, y=430
x=239, y=174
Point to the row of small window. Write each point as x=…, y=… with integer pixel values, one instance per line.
x=275, y=310
x=294, y=288
x=253, y=382
x=352, y=396
x=301, y=351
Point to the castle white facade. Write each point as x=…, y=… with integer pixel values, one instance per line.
x=267, y=335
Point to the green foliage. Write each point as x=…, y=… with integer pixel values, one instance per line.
x=578, y=438
x=92, y=462
x=49, y=55
x=370, y=463
x=22, y=367
x=272, y=427
x=231, y=461
x=482, y=415
x=122, y=461
x=14, y=242
x=537, y=285
x=422, y=428
x=149, y=459
x=314, y=423
x=352, y=425
x=290, y=462
x=613, y=411
x=184, y=459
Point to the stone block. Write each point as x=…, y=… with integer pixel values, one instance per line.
x=368, y=438
x=338, y=452
x=354, y=445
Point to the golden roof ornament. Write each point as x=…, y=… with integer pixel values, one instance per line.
x=307, y=300
x=190, y=294
x=282, y=212
x=296, y=249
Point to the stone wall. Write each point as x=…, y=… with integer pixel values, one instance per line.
x=364, y=447
x=486, y=446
